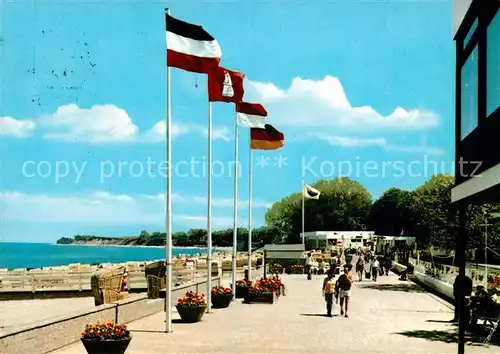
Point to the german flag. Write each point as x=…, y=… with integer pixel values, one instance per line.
x=267, y=138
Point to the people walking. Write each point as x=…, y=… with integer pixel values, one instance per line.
x=375, y=268
x=360, y=265
x=344, y=284
x=328, y=291
x=308, y=266
x=387, y=265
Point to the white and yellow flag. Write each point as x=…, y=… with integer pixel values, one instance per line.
x=310, y=192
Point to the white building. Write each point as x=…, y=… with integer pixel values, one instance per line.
x=330, y=239
x=384, y=242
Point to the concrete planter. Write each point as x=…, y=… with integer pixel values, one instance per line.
x=191, y=314
x=221, y=301
x=266, y=298
x=241, y=292
x=118, y=346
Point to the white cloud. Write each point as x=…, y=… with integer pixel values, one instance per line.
x=324, y=103
x=98, y=124
x=96, y=208
x=157, y=132
x=377, y=142
x=102, y=208
x=102, y=124
x=16, y=128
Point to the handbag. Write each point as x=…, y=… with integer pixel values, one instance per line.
x=367, y=275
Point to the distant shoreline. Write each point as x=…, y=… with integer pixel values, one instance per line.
x=129, y=246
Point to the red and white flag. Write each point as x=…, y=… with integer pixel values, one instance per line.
x=251, y=115
x=190, y=47
x=225, y=85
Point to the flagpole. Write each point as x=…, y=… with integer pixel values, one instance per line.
x=168, y=211
x=250, y=217
x=209, y=212
x=303, y=217
x=235, y=230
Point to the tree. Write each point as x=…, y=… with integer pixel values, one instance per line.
x=393, y=212
x=344, y=204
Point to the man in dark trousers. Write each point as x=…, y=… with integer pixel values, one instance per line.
x=461, y=287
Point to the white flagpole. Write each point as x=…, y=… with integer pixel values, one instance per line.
x=303, y=217
x=250, y=217
x=168, y=211
x=235, y=231
x=209, y=212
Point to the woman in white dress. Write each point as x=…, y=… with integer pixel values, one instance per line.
x=368, y=268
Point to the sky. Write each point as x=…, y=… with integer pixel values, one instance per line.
x=359, y=89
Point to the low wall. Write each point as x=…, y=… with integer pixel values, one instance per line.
x=437, y=285
x=441, y=287
x=48, y=335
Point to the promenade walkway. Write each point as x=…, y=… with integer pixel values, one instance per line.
x=388, y=316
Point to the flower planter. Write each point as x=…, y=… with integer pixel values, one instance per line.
x=266, y=298
x=241, y=292
x=191, y=314
x=118, y=346
x=221, y=301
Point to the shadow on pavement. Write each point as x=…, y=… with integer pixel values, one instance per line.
x=315, y=315
x=475, y=338
x=405, y=287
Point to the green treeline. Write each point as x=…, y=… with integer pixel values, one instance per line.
x=425, y=213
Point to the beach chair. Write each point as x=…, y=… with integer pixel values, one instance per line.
x=106, y=285
x=156, y=279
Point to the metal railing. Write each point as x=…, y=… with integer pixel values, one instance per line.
x=447, y=273
x=74, y=280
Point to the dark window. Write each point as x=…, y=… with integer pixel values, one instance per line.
x=493, y=65
x=469, y=95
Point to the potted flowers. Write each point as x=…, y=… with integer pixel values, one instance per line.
x=274, y=285
x=276, y=268
x=191, y=307
x=259, y=293
x=242, y=288
x=297, y=269
x=221, y=297
x=107, y=338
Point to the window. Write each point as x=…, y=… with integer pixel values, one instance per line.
x=493, y=65
x=469, y=95
x=471, y=32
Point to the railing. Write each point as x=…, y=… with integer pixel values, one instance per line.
x=64, y=280
x=448, y=273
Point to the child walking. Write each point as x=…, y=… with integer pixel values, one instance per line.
x=328, y=291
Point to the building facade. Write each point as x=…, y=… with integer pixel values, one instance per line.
x=476, y=31
x=332, y=239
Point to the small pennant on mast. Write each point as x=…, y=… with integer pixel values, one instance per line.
x=310, y=192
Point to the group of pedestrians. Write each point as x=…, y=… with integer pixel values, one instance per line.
x=371, y=267
x=340, y=289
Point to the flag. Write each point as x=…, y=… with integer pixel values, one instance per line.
x=190, y=47
x=267, y=138
x=310, y=192
x=251, y=115
x=225, y=85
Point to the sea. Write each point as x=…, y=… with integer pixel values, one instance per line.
x=36, y=255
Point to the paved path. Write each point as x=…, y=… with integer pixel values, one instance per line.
x=389, y=316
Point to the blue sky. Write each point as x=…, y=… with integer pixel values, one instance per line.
x=350, y=83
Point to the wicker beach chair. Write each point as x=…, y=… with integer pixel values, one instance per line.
x=106, y=285
x=155, y=277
